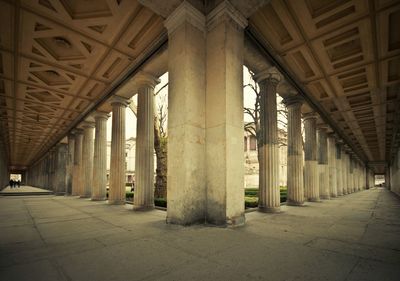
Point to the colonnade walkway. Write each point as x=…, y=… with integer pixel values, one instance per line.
x=353, y=237
x=24, y=190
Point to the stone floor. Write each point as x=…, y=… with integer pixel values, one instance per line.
x=355, y=237
x=23, y=189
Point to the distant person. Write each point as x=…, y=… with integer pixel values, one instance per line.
x=133, y=186
x=11, y=183
x=18, y=183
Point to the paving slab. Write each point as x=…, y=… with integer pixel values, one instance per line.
x=352, y=237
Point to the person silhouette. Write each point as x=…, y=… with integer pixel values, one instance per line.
x=11, y=183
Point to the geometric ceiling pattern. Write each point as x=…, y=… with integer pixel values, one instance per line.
x=346, y=55
x=57, y=57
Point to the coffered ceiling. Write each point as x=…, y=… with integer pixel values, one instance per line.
x=346, y=55
x=57, y=58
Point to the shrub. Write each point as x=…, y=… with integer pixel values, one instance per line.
x=160, y=202
x=129, y=195
x=250, y=202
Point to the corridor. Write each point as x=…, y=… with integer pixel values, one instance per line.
x=352, y=237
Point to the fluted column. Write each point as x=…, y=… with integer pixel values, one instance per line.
x=339, y=164
x=100, y=157
x=87, y=159
x=269, y=191
x=332, y=166
x=348, y=176
x=295, y=183
x=311, y=180
x=60, y=167
x=351, y=174
x=76, y=176
x=70, y=163
x=116, y=193
x=323, y=163
x=144, y=160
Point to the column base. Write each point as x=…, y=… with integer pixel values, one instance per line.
x=334, y=196
x=98, y=198
x=325, y=197
x=294, y=203
x=269, y=209
x=116, y=202
x=84, y=196
x=143, y=208
x=314, y=200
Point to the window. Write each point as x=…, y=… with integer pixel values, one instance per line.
x=253, y=143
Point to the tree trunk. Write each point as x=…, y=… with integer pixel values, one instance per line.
x=160, y=146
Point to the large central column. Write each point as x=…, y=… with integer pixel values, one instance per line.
x=323, y=163
x=144, y=160
x=186, y=116
x=100, y=157
x=311, y=188
x=269, y=192
x=295, y=184
x=77, y=180
x=332, y=165
x=87, y=159
x=70, y=163
x=339, y=175
x=116, y=194
x=224, y=115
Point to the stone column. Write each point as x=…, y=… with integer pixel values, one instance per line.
x=116, y=194
x=60, y=175
x=99, y=190
x=345, y=170
x=144, y=159
x=295, y=183
x=186, y=116
x=70, y=162
x=323, y=163
x=351, y=173
x=87, y=159
x=77, y=177
x=224, y=115
x=332, y=166
x=269, y=191
x=339, y=164
x=311, y=181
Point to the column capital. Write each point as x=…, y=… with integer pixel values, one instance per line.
x=101, y=115
x=87, y=124
x=225, y=10
x=271, y=74
x=117, y=100
x=293, y=100
x=322, y=127
x=145, y=79
x=310, y=115
x=185, y=13
x=78, y=131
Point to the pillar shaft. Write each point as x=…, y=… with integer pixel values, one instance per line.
x=339, y=176
x=269, y=191
x=116, y=193
x=186, y=116
x=224, y=116
x=323, y=167
x=87, y=160
x=144, y=160
x=332, y=166
x=77, y=179
x=70, y=163
x=60, y=175
x=100, y=157
x=295, y=182
x=311, y=187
